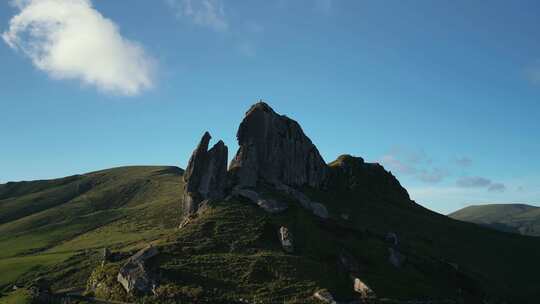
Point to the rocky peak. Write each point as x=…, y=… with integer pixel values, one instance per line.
x=206, y=174
x=354, y=173
x=274, y=149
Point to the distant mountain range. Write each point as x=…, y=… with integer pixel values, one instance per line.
x=516, y=218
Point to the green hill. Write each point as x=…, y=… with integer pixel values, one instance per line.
x=516, y=218
x=56, y=230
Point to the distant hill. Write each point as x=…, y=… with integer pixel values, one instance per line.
x=516, y=218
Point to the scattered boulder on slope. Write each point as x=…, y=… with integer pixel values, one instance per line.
x=134, y=275
x=206, y=174
x=286, y=239
x=273, y=148
x=364, y=290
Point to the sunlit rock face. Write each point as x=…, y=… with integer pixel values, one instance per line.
x=274, y=149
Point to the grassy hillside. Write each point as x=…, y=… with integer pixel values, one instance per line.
x=231, y=251
x=516, y=218
x=44, y=223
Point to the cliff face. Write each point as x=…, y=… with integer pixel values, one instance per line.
x=206, y=174
x=274, y=149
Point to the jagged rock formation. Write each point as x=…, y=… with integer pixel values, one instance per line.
x=206, y=174
x=134, y=276
x=274, y=149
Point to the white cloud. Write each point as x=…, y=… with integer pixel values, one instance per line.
x=207, y=13
x=69, y=39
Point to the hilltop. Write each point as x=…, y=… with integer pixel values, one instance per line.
x=277, y=225
x=516, y=218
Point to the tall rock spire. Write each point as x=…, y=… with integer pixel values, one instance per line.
x=206, y=174
x=274, y=149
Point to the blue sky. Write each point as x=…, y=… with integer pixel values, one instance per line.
x=446, y=94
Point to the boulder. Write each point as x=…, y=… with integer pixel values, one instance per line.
x=274, y=149
x=286, y=239
x=206, y=174
x=135, y=278
x=134, y=275
x=324, y=296
x=364, y=290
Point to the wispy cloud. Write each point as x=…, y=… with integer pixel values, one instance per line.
x=206, y=13
x=72, y=40
x=473, y=182
x=463, y=161
x=497, y=187
x=413, y=163
x=480, y=182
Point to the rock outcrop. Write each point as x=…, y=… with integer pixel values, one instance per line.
x=206, y=174
x=286, y=239
x=134, y=275
x=316, y=208
x=352, y=173
x=274, y=149
x=268, y=205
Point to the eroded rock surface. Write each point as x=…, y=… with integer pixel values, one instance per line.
x=268, y=205
x=274, y=149
x=206, y=174
x=134, y=275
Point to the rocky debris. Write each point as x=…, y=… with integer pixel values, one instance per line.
x=324, y=296
x=268, y=205
x=134, y=275
x=286, y=239
x=274, y=149
x=395, y=257
x=316, y=208
x=206, y=174
x=364, y=290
